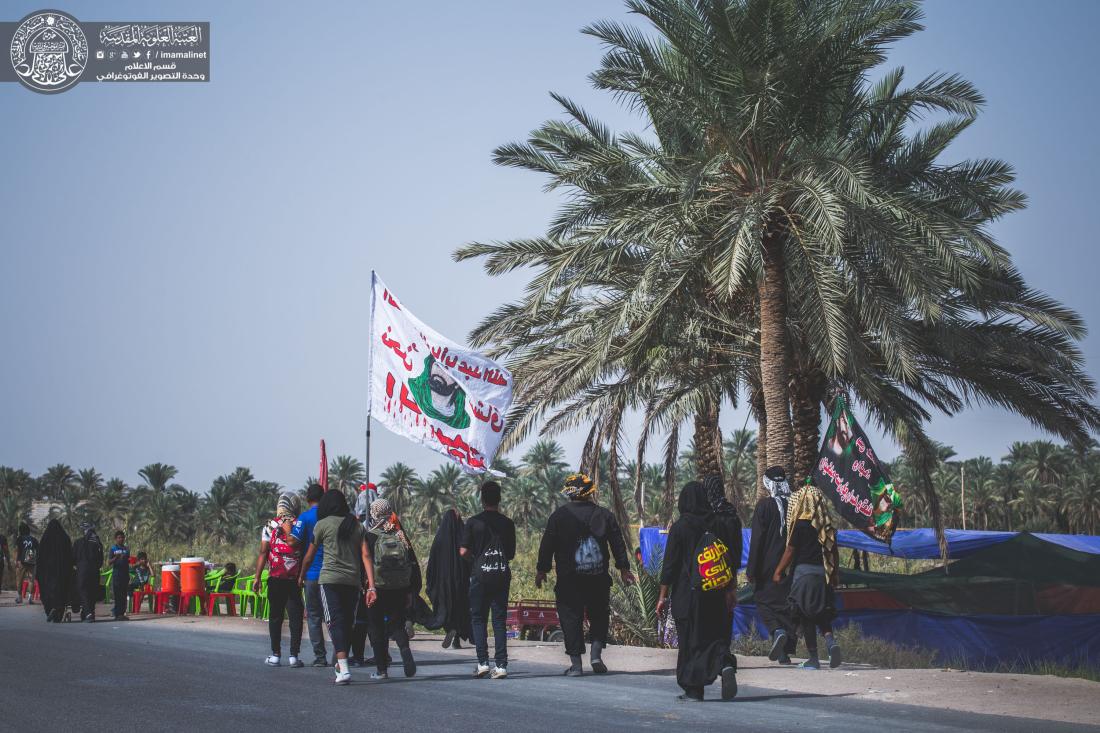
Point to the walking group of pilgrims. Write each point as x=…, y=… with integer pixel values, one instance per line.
x=355, y=572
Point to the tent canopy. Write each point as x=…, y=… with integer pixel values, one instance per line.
x=911, y=544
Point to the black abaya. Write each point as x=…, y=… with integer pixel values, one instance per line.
x=88, y=556
x=704, y=624
x=54, y=570
x=765, y=550
x=448, y=581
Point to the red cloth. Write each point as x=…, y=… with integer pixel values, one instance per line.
x=323, y=473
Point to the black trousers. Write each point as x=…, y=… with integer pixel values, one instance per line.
x=120, y=589
x=774, y=609
x=284, y=596
x=338, y=601
x=483, y=601
x=576, y=595
x=386, y=618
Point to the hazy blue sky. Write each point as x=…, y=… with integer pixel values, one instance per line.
x=186, y=268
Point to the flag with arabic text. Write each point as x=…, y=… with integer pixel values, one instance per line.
x=432, y=391
x=849, y=473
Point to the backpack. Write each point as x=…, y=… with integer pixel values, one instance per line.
x=392, y=562
x=491, y=565
x=588, y=557
x=28, y=554
x=282, y=558
x=711, y=562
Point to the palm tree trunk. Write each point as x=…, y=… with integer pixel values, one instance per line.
x=672, y=451
x=774, y=367
x=807, y=391
x=761, y=443
x=708, y=441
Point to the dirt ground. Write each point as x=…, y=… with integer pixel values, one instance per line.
x=1041, y=697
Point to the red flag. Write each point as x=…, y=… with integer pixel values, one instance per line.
x=323, y=474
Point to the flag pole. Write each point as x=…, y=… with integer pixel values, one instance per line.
x=370, y=375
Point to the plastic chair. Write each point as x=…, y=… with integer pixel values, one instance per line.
x=163, y=596
x=105, y=580
x=230, y=598
x=242, y=589
x=143, y=593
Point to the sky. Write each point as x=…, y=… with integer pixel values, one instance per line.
x=185, y=269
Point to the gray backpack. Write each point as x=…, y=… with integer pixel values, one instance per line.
x=392, y=562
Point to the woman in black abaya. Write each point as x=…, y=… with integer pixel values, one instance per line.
x=54, y=570
x=448, y=584
x=704, y=619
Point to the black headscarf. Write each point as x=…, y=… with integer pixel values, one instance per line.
x=335, y=504
x=55, y=566
x=448, y=580
x=693, y=500
x=716, y=495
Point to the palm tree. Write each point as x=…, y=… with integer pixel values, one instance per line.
x=398, y=482
x=221, y=506
x=544, y=464
x=58, y=480
x=157, y=476
x=981, y=489
x=345, y=473
x=1033, y=505
x=13, y=510
x=436, y=494
x=110, y=504
x=528, y=505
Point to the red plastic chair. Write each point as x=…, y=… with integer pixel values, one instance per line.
x=186, y=598
x=23, y=590
x=162, y=597
x=212, y=603
x=146, y=592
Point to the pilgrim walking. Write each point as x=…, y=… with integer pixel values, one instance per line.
x=769, y=540
x=448, y=584
x=812, y=550
x=698, y=575
x=54, y=571
x=397, y=579
x=576, y=542
x=88, y=557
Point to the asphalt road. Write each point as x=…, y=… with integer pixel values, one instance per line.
x=95, y=676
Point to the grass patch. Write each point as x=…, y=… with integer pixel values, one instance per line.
x=857, y=648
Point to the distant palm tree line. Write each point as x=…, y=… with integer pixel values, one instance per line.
x=1037, y=486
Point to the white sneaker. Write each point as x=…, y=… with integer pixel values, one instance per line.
x=343, y=678
x=379, y=675
x=272, y=661
x=499, y=673
x=295, y=662
x=481, y=671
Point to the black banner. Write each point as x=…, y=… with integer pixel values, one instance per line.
x=848, y=472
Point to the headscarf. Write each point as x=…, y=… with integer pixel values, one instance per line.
x=89, y=533
x=287, y=507
x=384, y=519
x=578, y=487
x=55, y=566
x=775, y=481
x=809, y=503
x=716, y=495
x=693, y=500
x=335, y=504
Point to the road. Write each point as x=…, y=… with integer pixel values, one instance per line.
x=195, y=678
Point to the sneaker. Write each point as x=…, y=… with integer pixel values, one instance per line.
x=343, y=678
x=449, y=639
x=481, y=671
x=379, y=675
x=598, y=666
x=272, y=661
x=574, y=672
x=294, y=662
x=835, y=657
x=729, y=683
x=499, y=673
x=811, y=663
x=779, y=644
x=408, y=662
x=319, y=662
x=685, y=697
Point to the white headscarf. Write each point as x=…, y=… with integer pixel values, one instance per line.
x=775, y=481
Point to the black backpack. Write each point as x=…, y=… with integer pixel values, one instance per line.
x=588, y=555
x=491, y=565
x=709, y=566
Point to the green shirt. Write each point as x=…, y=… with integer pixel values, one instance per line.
x=343, y=560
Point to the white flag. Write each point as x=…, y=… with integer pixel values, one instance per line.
x=431, y=390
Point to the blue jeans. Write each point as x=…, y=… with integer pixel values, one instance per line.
x=483, y=600
x=315, y=617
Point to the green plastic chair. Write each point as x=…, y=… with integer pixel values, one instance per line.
x=243, y=590
x=105, y=580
